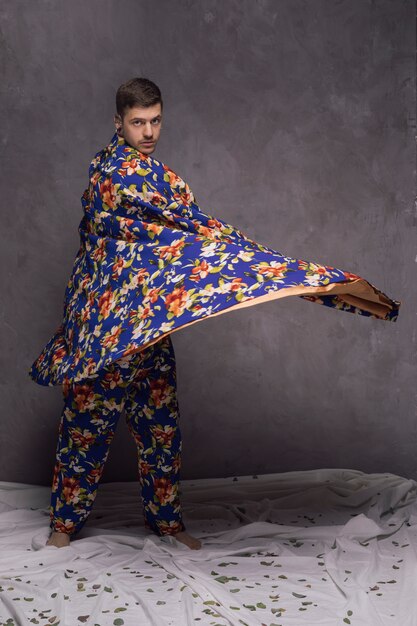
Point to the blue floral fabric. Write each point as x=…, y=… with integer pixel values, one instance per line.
x=144, y=386
x=151, y=262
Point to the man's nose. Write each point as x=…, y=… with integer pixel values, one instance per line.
x=148, y=130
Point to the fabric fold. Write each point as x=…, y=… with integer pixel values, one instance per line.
x=151, y=262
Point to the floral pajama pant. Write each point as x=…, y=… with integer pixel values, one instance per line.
x=144, y=385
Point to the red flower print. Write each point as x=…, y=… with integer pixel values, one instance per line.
x=106, y=303
x=350, y=275
x=173, y=251
x=100, y=252
x=58, y=355
x=169, y=528
x=83, y=397
x=164, y=490
x=175, y=302
x=144, y=467
x=161, y=392
x=82, y=439
x=147, y=311
x=176, y=463
x=128, y=167
x=236, y=284
x=209, y=233
x=200, y=271
x=94, y=475
x=153, y=228
x=173, y=178
x=95, y=178
x=111, y=338
x=157, y=199
x=108, y=194
x=70, y=490
x=213, y=223
x=85, y=316
x=111, y=379
x=164, y=435
x=277, y=271
x=55, y=481
x=90, y=365
x=66, y=386
x=126, y=221
x=117, y=267
x=152, y=295
x=64, y=527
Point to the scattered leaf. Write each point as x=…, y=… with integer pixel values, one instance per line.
x=222, y=579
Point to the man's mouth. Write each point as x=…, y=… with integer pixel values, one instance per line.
x=148, y=143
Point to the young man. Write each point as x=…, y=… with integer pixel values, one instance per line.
x=151, y=262
x=144, y=385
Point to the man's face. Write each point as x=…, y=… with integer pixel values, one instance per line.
x=140, y=127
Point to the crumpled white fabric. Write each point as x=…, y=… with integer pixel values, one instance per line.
x=323, y=547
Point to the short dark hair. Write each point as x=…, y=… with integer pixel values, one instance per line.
x=137, y=92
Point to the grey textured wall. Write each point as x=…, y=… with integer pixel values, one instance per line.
x=291, y=119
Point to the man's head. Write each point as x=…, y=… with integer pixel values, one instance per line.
x=139, y=114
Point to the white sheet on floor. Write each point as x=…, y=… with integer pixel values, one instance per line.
x=328, y=547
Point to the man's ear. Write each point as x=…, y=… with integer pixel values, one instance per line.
x=118, y=124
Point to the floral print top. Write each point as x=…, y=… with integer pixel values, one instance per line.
x=151, y=262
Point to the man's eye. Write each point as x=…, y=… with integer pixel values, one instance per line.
x=155, y=122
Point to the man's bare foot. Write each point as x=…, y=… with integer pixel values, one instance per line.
x=188, y=540
x=60, y=540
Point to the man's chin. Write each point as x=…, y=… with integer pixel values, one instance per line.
x=146, y=149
